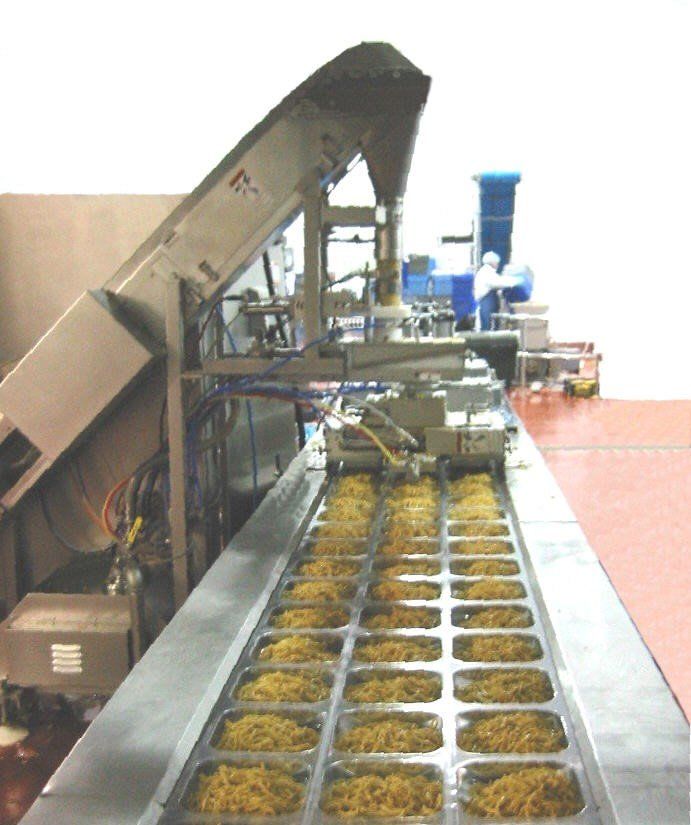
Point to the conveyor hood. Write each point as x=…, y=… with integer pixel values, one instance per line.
x=368, y=100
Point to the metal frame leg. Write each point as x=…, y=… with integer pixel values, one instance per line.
x=312, y=268
x=177, y=459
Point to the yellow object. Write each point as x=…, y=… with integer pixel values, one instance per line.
x=391, y=795
x=518, y=685
x=479, y=528
x=343, y=529
x=518, y=732
x=338, y=548
x=401, y=547
x=483, y=567
x=410, y=567
x=498, y=617
x=500, y=647
x=412, y=529
x=481, y=547
x=527, y=793
x=296, y=650
x=400, y=616
x=328, y=568
x=134, y=530
x=310, y=617
x=397, y=649
x=487, y=590
x=247, y=790
x=319, y=591
x=393, y=591
x=395, y=687
x=284, y=686
x=266, y=732
x=390, y=736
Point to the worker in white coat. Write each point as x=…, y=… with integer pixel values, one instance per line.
x=487, y=288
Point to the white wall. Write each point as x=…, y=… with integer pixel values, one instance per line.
x=587, y=99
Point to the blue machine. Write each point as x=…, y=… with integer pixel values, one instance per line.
x=497, y=203
x=422, y=280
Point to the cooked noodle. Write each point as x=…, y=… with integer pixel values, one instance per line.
x=338, y=548
x=518, y=685
x=526, y=794
x=481, y=547
x=464, y=512
x=392, y=795
x=343, y=529
x=397, y=649
x=395, y=687
x=267, y=732
x=400, y=616
x=410, y=567
x=401, y=547
x=518, y=732
x=498, y=617
x=296, y=650
x=390, y=736
x=479, y=528
x=328, y=568
x=310, y=617
x=484, y=567
x=488, y=590
x=393, y=591
x=412, y=529
x=284, y=686
x=319, y=591
x=504, y=647
x=247, y=790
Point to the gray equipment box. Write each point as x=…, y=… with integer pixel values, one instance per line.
x=68, y=643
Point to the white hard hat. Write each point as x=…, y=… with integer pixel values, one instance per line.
x=491, y=258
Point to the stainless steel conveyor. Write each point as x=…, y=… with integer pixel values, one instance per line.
x=628, y=735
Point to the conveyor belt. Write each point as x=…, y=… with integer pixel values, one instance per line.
x=630, y=730
x=457, y=770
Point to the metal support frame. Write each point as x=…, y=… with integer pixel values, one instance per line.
x=312, y=268
x=177, y=458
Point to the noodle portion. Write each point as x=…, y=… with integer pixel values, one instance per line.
x=267, y=732
x=481, y=547
x=409, y=567
x=504, y=647
x=297, y=650
x=411, y=529
x=284, y=686
x=395, y=794
x=488, y=590
x=234, y=789
x=342, y=529
x=328, y=568
x=316, y=618
x=517, y=732
x=401, y=616
x=395, y=687
x=401, y=547
x=338, y=548
x=463, y=512
x=484, y=567
x=526, y=793
x=394, y=591
x=355, y=485
x=496, y=617
x=390, y=736
x=397, y=649
x=478, y=528
x=347, y=509
x=319, y=591
x=519, y=685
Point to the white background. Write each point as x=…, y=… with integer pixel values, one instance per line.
x=589, y=100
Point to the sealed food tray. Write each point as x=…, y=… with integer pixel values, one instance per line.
x=455, y=623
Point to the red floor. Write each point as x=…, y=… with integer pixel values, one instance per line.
x=625, y=468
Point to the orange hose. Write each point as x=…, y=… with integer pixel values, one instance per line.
x=106, y=507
